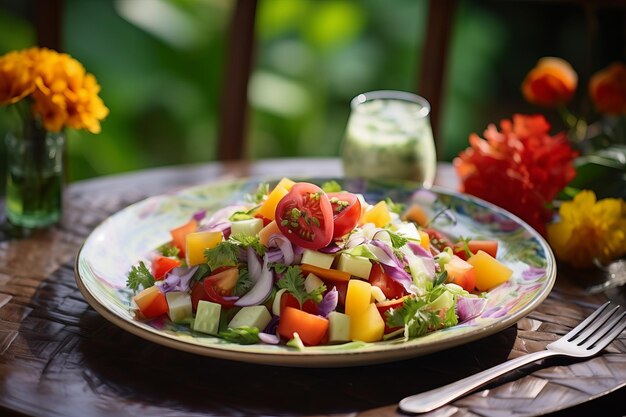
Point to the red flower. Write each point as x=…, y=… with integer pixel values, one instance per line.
x=520, y=168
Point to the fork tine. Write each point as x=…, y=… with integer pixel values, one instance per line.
x=592, y=329
x=613, y=329
x=576, y=330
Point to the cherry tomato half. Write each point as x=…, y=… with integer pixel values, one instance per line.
x=305, y=216
x=346, y=212
x=220, y=284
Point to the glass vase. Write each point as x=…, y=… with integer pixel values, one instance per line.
x=34, y=183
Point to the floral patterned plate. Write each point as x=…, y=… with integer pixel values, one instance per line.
x=124, y=238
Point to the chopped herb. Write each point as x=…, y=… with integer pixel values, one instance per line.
x=139, y=276
x=415, y=317
x=260, y=194
x=244, y=335
x=244, y=283
x=440, y=278
x=397, y=241
x=224, y=254
x=241, y=215
x=465, y=246
x=395, y=207
x=246, y=241
x=278, y=267
x=293, y=282
x=169, y=250
x=331, y=187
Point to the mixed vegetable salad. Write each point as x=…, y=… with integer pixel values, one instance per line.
x=308, y=265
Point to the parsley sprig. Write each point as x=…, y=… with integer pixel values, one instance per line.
x=293, y=282
x=139, y=276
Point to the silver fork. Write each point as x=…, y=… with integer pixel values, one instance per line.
x=586, y=339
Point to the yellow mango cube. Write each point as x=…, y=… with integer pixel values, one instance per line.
x=368, y=325
x=268, y=208
x=424, y=239
x=379, y=215
x=358, y=296
x=286, y=183
x=198, y=242
x=488, y=270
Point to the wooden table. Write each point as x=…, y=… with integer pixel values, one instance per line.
x=58, y=357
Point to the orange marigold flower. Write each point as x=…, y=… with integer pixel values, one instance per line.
x=589, y=231
x=520, y=167
x=63, y=93
x=607, y=89
x=16, y=78
x=551, y=83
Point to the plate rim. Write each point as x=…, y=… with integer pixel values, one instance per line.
x=329, y=358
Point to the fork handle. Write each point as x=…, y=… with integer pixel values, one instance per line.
x=429, y=400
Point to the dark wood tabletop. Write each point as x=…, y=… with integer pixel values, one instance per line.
x=59, y=357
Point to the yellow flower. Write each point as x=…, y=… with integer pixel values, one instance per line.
x=16, y=78
x=64, y=94
x=589, y=230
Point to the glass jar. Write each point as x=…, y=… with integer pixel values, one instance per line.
x=389, y=136
x=34, y=182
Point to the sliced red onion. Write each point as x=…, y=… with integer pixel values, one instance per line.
x=177, y=279
x=199, y=215
x=328, y=303
x=280, y=241
x=275, y=255
x=220, y=226
x=392, y=266
x=331, y=249
x=427, y=258
x=469, y=307
x=262, y=278
x=272, y=326
x=254, y=265
x=355, y=241
x=270, y=339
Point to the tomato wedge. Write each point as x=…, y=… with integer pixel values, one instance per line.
x=220, y=284
x=346, y=212
x=489, y=246
x=392, y=289
x=305, y=216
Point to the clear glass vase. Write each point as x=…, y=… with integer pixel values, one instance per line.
x=34, y=184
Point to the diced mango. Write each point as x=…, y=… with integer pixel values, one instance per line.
x=197, y=242
x=367, y=325
x=146, y=296
x=286, y=183
x=424, y=239
x=268, y=208
x=416, y=214
x=267, y=232
x=379, y=215
x=488, y=270
x=358, y=296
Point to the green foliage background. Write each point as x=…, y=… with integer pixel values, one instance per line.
x=160, y=66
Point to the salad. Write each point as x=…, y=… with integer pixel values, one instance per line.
x=307, y=265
